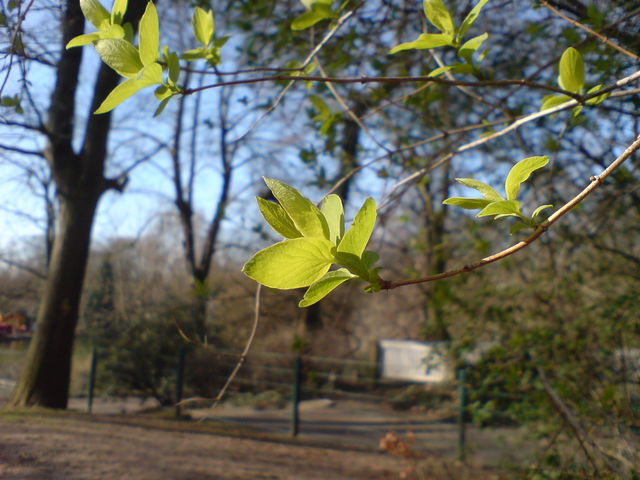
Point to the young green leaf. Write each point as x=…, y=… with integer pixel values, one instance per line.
x=95, y=13
x=369, y=258
x=151, y=75
x=538, y=211
x=203, y=25
x=149, y=35
x=323, y=287
x=471, y=18
x=468, y=203
x=294, y=263
x=118, y=10
x=599, y=98
x=82, y=40
x=318, y=11
x=356, y=238
x=550, y=101
x=439, y=16
x=277, y=218
x=503, y=207
x=120, y=55
x=517, y=227
x=467, y=50
x=571, y=71
x=487, y=192
x=424, y=41
x=162, y=105
x=520, y=172
x=353, y=263
x=333, y=213
x=305, y=215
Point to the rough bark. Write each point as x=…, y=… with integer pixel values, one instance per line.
x=80, y=181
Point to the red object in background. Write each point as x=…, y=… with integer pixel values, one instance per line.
x=6, y=329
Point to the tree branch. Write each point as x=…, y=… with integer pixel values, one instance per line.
x=596, y=181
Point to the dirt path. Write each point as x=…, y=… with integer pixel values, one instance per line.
x=51, y=447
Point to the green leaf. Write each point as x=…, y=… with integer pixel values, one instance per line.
x=118, y=10
x=441, y=70
x=487, y=192
x=503, y=207
x=305, y=215
x=333, y=213
x=520, y=172
x=317, y=13
x=277, y=218
x=151, y=75
x=174, y=66
x=353, y=263
x=424, y=41
x=195, y=54
x=539, y=210
x=467, y=203
x=82, y=40
x=203, y=25
x=599, y=98
x=439, y=16
x=471, y=18
x=149, y=35
x=323, y=287
x=356, y=238
x=95, y=13
x=469, y=48
x=293, y=263
x=571, y=71
x=162, y=105
x=550, y=101
x=120, y=55
x=370, y=258
x=517, y=227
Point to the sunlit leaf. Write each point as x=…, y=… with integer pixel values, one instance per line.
x=520, y=172
x=151, y=75
x=503, y=207
x=82, y=40
x=571, y=71
x=203, y=25
x=317, y=13
x=471, y=18
x=118, y=10
x=293, y=263
x=539, y=210
x=277, y=218
x=305, y=215
x=439, y=16
x=517, y=227
x=356, y=238
x=95, y=13
x=467, y=50
x=120, y=55
x=333, y=213
x=550, y=101
x=487, y=191
x=467, y=203
x=323, y=287
x=149, y=35
x=424, y=41
x=599, y=98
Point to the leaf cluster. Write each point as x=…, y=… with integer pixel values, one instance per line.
x=315, y=239
x=450, y=35
x=492, y=204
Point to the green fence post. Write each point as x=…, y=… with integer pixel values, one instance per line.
x=92, y=378
x=462, y=394
x=180, y=380
x=295, y=397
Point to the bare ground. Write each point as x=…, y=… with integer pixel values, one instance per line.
x=78, y=447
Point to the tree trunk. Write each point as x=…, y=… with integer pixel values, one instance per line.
x=46, y=375
x=80, y=181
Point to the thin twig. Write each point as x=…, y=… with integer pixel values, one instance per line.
x=590, y=31
x=596, y=181
x=329, y=35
